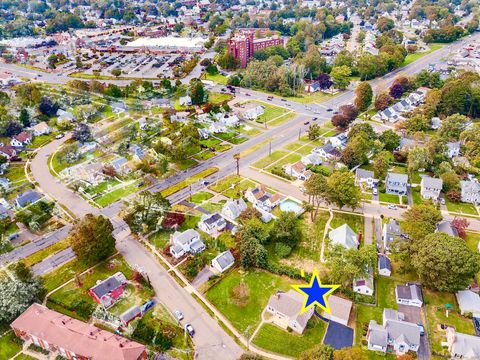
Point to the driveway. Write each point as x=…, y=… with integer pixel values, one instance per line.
x=202, y=277
x=413, y=314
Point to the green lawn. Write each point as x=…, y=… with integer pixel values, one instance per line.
x=268, y=160
x=289, y=159
x=364, y=315
x=472, y=240
x=9, y=346
x=277, y=340
x=225, y=183
x=218, y=98
x=461, y=208
x=62, y=274
x=218, y=78
x=16, y=174
x=271, y=112
x=417, y=55
x=243, y=304
x=386, y=292
x=312, y=98
x=186, y=164
x=416, y=196
x=25, y=357
x=356, y=222
x=118, y=194
x=160, y=239
x=282, y=119
x=46, y=252
x=200, y=197
x=388, y=198
x=435, y=305
x=183, y=184
x=237, y=191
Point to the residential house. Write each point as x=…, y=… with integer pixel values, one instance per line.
x=254, y=113
x=223, y=261
x=395, y=333
x=185, y=100
x=345, y=236
x=447, y=228
x=137, y=152
x=396, y=183
x=188, y=241
x=121, y=165
x=27, y=198
x=338, y=141
x=233, y=208
x=468, y=302
x=107, y=292
x=212, y=224
x=409, y=294
x=364, y=286
x=217, y=127
x=65, y=116
x=72, y=338
x=311, y=159
x=130, y=314
x=286, y=307
x=228, y=119
x=436, y=123
x=8, y=151
x=453, y=149
x=21, y=139
x=328, y=152
x=463, y=346
x=391, y=232
x=384, y=265
x=262, y=199
x=340, y=309
x=296, y=170
x=5, y=183
x=41, y=129
x=90, y=173
x=119, y=107
x=365, y=178
x=4, y=213
x=470, y=191
x=204, y=133
x=430, y=188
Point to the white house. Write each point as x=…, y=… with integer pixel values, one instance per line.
x=41, y=129
x=328, y=152
x=223, y=261
x=21, y=139
x=212, y=224
x=453, y=149
x=396, y=183
x=254, y=113
x=296, y=170
x=364, y=286
x=338, y=141
x=188, y=241
x=311, y=159
x=463, y=346
x=391, y=232
x=233, y=208
x=469, y=302
x=470, y=191
x=262, y=199
x=285, y=309
x=430, y=188
x=344, y=236
x=365, y=178
x=63, y=115
x=409, y=294
x=384, y=265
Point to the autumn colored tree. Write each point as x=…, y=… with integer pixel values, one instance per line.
x=382, y=101
x=461, y=225
x=363, y=96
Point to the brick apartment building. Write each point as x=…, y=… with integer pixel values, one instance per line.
x=243, y=45
x=73, y=339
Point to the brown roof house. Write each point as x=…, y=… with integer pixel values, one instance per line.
x=73, y=339
x=285, y=308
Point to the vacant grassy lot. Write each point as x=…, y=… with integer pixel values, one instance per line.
x=118, y=194
x=356, y=222
x=277, y=340
x=461, y=208
x=268, y=160
x=242, y=296
x=183, y=184
x=417, y=55
x=218, y=78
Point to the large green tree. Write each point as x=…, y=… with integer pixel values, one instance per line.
x=363, y=96
x=342, y=189
x=445, y=263
x=92, y=239
x=341, y=76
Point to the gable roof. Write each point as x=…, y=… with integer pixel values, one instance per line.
x=345, y=236
x=339, y=307
x=106, y=286
x=409, y=292
x=83, y=339
x=184, y=237
x=28, y=197
x=384, y=262
x=469, y=301
x=290, y=304
x=225, y=259
x=431, y=183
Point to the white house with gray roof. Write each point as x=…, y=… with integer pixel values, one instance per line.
x=285, y=308
x=468, y=302
x=391, y=232
x=223, y=261
x=453, y=149
x=344, y=236
x=463, y=346
x=396, y=183
x=470, y=191
x=365, y=178
x=395, y=333
x=188, y=241
x=409, y=294
x=212, y=224
x=233, y=208
x=430, y=188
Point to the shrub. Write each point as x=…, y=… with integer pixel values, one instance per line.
x=282, y=250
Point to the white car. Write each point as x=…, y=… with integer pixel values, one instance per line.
x=392, y=207
x=374, y=191
x=178, y=315
x=189, y=329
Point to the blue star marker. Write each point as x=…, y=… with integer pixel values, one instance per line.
x=315, y=293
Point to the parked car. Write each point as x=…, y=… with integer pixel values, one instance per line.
x=329, y=109
x=13, y=236
x=59, y=136
x=421, y=328
x=306, y=123
x=476, y=323
x=283, y=99
x=178, y=315
x=392, y=207
x=315, y=119
x=190, y=330
x=442, y=201
x=374, y=191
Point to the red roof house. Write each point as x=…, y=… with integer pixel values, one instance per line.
x=108, y=291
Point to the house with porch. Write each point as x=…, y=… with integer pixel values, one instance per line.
x=233, y=208
x=188, y=241
x=396, y=183
x=430, y=188
x=212, y=224
x=470, y=191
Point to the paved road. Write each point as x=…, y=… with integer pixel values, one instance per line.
x=35, y=245
x=53, y=261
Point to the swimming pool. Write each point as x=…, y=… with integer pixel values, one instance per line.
x=290, y=205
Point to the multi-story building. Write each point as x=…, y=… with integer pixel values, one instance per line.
x=243, y=45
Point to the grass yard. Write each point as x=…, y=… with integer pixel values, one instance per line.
x=388, y=198
x=16, y=174
x=225, y=183
x=289, y=159
x=460, y=208
x=364, y=315
x=242, y=296
x=160, y=239
x=186, y=164
x=204, y=155
x=277, y=340
x=472, y=240
x=9, y=346
x=268, y=160
x=435, y=305
x=218, y=78
x=282, y=119
x=386, y=292
x=316, y=97
x=44, y=253
x=218, y=98
x=356, y=222
x=416, y=196
x=237, y=191
x=118, y=194
x=200, y=197
x=417, y=55
x=271, y=112
x=214, y=206
x=62, y=274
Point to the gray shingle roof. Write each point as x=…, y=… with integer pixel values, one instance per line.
x=225, y=259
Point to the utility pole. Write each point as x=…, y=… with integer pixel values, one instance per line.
x=270, y=149
x=299, y=133
x=237, y=158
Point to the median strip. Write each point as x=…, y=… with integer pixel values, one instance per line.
x=187, y=182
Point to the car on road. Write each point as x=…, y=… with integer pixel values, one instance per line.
x=306, y=123
x=421, y=328
x=329, y=109
x=315, y=119
x=476, y=323
x=190, y=330
x=205, y=182
x=283, y=99
x=335, y=112
x=269, y=98
x=248, y=94
x=178, y=315
x=374, y=191
x=442, y=201
x=59, y=136
x=392, y=207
